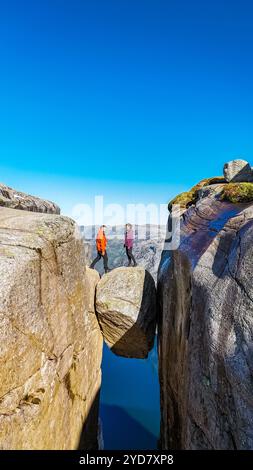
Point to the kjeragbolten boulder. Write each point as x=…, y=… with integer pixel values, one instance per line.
x=126, y=309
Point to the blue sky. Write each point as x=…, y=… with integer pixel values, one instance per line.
x=135, y=99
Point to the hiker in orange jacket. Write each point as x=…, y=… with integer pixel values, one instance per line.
x=101, y=243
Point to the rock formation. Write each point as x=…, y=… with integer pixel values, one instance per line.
x=50, y=334
x=205, y=295
x=238, y=171
x=50, y=341
x=16, y=200
x=126, y=309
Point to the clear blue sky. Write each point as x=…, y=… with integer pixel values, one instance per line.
x=131, y=99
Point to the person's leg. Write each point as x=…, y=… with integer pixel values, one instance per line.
x=95, y=260
x=105, y=259
x=128, y=256
x=132, y=258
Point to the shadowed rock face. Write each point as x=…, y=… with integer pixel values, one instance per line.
x=50, y=340
x=126, y=309
x=16, y=200
x=205, y=294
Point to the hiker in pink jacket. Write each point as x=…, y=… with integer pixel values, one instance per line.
x=129, y=241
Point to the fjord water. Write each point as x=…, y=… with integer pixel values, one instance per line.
x=129, y=403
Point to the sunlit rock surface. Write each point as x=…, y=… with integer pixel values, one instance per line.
x=126, y=309
x=50, y=340
x=17, y=200
x=238, y=171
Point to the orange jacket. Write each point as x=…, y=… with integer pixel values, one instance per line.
x=101, y=241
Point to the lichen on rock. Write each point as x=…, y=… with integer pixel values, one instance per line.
x=188, y=198
x=238, y=192
x=219, y=188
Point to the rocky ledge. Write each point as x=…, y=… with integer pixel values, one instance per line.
x=16, y=200
x=235, y=186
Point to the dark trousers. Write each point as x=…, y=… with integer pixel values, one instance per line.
x=99, y=256
x=130, y=256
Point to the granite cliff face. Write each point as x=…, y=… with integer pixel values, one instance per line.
x=50, y=341
x=205, y=295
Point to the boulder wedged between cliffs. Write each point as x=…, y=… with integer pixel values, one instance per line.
x=126, y=310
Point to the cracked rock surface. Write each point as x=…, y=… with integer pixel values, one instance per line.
x=50, y=341
x=205, y=294
x=126, y=309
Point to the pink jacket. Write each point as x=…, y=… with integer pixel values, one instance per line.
x=129, y=239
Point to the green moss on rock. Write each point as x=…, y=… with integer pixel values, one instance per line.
x=237, y=192
x=187, y=198
x=213, y=180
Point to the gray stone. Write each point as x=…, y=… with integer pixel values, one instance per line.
x=205, y=296
x=238, y=171
x=211, y=191
x=126, y=309
x=50, y=340
x=16, y=200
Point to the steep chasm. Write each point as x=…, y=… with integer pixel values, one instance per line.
x=50, y=341
x=205, y=325
x=51, y=336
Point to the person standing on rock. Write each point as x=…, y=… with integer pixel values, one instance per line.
x=129, y=241
x=101, y=243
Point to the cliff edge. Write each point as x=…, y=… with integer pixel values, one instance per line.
x=205, y=295
x=50, y=341
x=14, y=199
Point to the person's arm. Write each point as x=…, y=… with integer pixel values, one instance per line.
x=103, y=244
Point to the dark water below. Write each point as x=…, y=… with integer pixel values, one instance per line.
x=129, y=403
